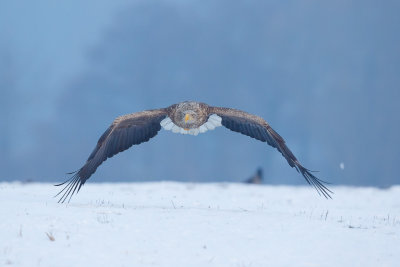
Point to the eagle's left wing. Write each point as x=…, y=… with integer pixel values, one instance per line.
x=256, y=127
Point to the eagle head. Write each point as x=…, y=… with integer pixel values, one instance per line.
x=189, y=114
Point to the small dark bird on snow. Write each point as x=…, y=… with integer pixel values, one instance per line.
x=257, y=178
x=186, y=118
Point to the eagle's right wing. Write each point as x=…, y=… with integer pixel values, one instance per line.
x=125, y=131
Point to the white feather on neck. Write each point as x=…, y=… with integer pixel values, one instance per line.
x=212, y=122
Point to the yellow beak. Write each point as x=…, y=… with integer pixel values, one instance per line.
x=187, y=117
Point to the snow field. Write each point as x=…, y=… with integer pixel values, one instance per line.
x=186, y=224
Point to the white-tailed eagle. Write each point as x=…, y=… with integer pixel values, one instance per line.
x=185, y=118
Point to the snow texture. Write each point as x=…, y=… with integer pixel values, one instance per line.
x=185, y=224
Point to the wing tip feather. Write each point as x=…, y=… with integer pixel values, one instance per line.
x=72, y=184
x=314, y=181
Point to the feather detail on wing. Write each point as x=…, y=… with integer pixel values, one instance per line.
x=125, y=131
x=256, y=127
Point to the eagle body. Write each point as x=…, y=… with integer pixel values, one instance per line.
x=187, y=117
x=190, y=118
x=198, y=111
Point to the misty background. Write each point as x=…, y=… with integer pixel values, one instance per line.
x=325, y=75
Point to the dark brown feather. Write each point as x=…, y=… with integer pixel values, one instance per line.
x=125, y=131
x=256, y=127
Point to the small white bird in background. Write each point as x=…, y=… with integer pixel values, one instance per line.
x=341, y=165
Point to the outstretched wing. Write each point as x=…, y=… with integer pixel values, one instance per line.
x=256, y=127
x=125, y=131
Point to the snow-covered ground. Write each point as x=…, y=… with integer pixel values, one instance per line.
x=185, y=224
